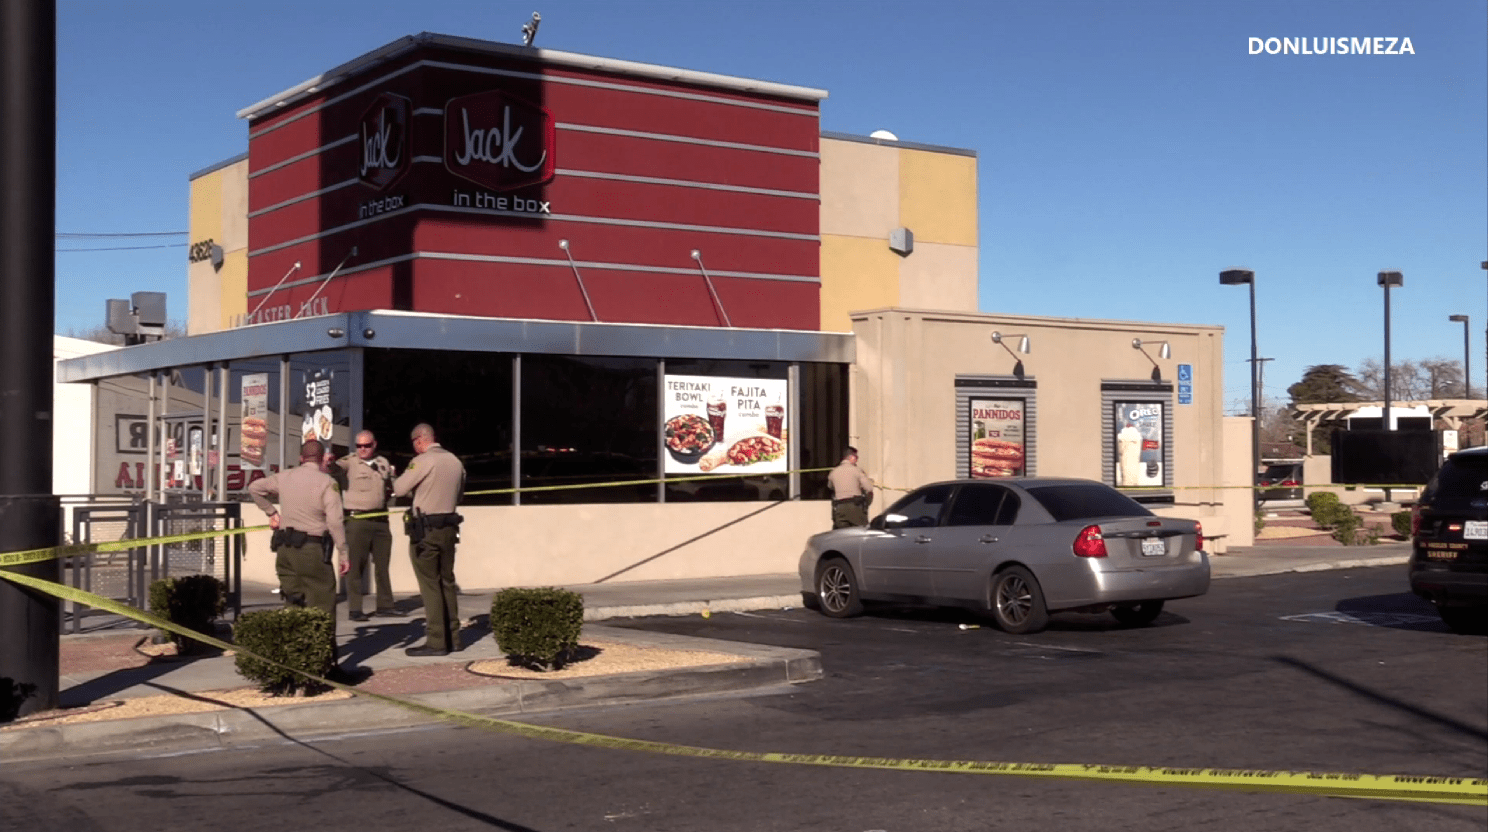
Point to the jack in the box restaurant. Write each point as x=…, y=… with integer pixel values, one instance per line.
x=648, y=307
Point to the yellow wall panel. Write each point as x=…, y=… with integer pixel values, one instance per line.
x=206, y=207
x=938, y=196
x=856, y=273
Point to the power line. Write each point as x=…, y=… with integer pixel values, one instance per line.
x=89, y=234
x=119, y=248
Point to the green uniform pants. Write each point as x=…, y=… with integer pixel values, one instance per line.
x=305, y=579
x=369, y=540
x=434, y=566
x=850, y=512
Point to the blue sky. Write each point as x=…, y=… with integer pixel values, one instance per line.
x=1128, y=151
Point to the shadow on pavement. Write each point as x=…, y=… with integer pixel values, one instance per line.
x=1396, y=611
x=1374, y=696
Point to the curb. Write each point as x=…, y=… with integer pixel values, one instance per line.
x=760, y=668
x=759, y=602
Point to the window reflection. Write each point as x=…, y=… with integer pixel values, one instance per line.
x=588, y=421
x=465, y=396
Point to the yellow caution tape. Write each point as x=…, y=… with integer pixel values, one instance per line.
x=1452, y=790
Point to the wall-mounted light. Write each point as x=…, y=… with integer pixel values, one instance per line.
x=563, y=244
x=712, y=292
x=1024, y=346
x=1163, y=352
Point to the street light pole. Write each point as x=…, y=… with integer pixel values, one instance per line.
x=1386, y=280
x=1235, y=277
x=1466, y=353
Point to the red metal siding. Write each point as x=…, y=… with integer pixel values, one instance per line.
x=623, y=233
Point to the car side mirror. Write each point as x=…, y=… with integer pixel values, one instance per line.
x=893, y=521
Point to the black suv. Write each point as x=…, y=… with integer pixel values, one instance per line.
x=1449, y=542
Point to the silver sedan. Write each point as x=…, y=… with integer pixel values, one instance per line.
x=1017, y=549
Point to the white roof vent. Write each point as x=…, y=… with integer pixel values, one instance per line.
x=883, y=134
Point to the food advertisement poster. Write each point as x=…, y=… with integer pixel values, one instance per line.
x=720, y=425
x=319, y=419
x=253, y=429
x=997, y=434
x=1139, y=451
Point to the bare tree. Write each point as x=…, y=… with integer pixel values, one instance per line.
x=1410, y=381
x=103, y=335
x=1444, y=378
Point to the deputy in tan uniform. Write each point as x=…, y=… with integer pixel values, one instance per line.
x=852, y=492
x=435, y=478
x=366, y=483
x=309, y=511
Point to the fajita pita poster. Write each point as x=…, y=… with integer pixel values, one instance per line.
x=717, y=424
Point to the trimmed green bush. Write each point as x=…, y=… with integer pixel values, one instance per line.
x=302, y=638
x=194, y=602
x=1321, y=501
x=12, y=697
x=1328, y=511
x=1401, y=522
x=537, y=628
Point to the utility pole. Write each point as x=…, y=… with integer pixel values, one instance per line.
x=30, y=517
x=1261, y=386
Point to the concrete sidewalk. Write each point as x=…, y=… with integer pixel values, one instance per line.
x=92, y=670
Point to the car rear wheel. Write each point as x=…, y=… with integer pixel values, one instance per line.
x=1018, y=602
x=837, y=589
x=1469, y=621
x=1139, y=614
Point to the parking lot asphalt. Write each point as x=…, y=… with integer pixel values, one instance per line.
x=95, y=670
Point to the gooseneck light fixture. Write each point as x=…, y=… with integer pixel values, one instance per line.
x=1024, y=347
x=1164, y=352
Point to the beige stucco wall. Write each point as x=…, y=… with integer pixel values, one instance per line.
x=870, y=188
x=219, y=213
x=904, y=399
x=567, y=545
x=1239, y=496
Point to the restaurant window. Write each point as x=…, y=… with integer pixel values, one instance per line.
x=996, y=426
x=823, y=424
x=254, y=443
x=465, y=396
x=1138, y=439
x=588, y=421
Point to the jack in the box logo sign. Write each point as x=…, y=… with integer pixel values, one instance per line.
x=384, y=141
x=498, y=141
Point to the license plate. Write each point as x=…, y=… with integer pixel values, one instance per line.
x=1475, y=530
x=1153, y=546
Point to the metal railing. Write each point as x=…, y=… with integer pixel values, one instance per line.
x=126, y=575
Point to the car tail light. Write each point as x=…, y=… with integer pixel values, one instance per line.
x=1198, y=536
x=1415, y=519
x=1089, y=543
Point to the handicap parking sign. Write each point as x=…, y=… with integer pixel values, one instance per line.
x=1185, y=384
